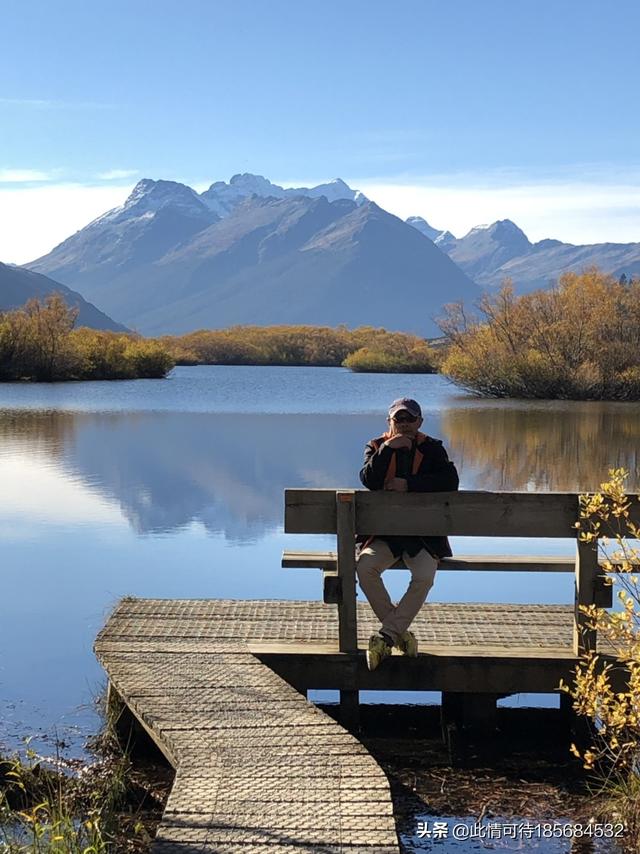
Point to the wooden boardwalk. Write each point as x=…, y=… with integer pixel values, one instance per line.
x=258, y=768
x=219, y=684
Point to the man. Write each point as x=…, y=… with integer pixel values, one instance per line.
x=402, y=460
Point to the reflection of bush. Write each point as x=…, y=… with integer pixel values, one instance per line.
x=579, y=340
x=38, y=432
x=564, y=448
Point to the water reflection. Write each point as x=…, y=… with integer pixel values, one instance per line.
x=560, y=446
x=168, y=470
x=165, y=471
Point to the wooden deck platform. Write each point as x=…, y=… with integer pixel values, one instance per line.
x=259, y=769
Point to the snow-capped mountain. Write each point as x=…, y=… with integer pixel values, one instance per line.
x=156, y=216
x=491, y=253
x=149, y=197
x=165, y=262
x=444, y=241
x=489, y=246
x=424, y=228
x=221, y=197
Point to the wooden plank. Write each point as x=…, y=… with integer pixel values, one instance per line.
x=506, y=514
x=587, y=573
x=308, y=560
x=347, y=621
x=467, y=514
x=468, y=563
x=462, y=672
x=254, y=765
x=331, y=587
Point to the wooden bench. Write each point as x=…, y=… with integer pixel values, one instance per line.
x=476, y=514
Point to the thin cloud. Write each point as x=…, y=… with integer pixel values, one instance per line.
x=117, y=174
x=594, y=210
x=25, y=176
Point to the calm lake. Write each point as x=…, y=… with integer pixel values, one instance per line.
x=174, y=488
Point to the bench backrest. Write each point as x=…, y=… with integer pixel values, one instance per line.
x=480, y=514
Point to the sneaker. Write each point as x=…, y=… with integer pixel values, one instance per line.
x=378, y=649
x=408, y=645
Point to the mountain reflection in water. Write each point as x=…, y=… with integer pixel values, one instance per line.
x=228, y=472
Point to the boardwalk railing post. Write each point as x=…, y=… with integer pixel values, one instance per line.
x=587, y=572
x=346, y=531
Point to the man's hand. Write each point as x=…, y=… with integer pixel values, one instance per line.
x=396, y=484
x=397, y=442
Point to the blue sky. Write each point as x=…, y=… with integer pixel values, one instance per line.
x=463, y=112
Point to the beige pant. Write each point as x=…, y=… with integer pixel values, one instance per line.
x=372, y=562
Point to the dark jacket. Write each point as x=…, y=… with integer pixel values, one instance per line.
x=435, y=473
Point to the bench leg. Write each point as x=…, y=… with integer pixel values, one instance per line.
x=577, y=728
x=476, y=711
x=350, y=709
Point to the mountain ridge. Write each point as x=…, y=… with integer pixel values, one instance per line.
x=294, y=259
x=18, y=286
x=488, y=254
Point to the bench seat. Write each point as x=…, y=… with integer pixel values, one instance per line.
x=332, y=587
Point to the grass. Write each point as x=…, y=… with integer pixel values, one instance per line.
x=51, y=805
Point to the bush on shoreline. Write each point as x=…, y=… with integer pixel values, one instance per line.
x=606, y=687
x=39, y=343
x=362, y=349
x=418, y=360
x=579, y=340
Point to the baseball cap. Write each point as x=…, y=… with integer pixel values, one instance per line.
x=405, y=403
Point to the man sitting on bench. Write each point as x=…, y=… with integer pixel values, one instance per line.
x=402, y=460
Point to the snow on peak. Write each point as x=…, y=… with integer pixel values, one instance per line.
x=445, y=240
x=251, y=184
x=423, y=227
x=148, y=197
x=502, y=230
x=222, y=197
x=160, y=192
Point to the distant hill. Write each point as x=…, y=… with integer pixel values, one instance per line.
x=18, y=285
x=165, y=262
x=490, y=253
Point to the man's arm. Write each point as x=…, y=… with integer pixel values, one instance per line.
x=442, y=475
x=376, y=463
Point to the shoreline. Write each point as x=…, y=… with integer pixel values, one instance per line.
x=522, y=772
